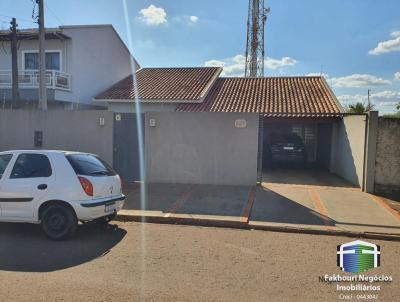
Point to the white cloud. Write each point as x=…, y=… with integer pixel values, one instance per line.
x=358, y=81
x=397, y=76
x=317, y=74
x=185, y=19
x=235, y=66
x=153, y=15
x=194, y=19
x=277, y=64
x=382, y=98
x=387, y=97
x=395, y=34
x=352, y=98
x=388, y=45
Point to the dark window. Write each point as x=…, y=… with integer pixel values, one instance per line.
x=4, y=160
x=38, y=139
x=52, y=60
x=31, y=165
x=280, y=138
x=90, y=165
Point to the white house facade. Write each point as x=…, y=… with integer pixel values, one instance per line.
x=81, y=61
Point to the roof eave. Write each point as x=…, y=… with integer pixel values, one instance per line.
x=148, y=101
x=341, y=109
x=210, y=85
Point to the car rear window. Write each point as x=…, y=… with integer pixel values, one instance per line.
x=89, y=165
x=4, y=160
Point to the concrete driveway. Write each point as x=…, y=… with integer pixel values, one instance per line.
x=323, y=208
x=318, y=202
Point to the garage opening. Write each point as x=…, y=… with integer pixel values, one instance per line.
x=297, y=151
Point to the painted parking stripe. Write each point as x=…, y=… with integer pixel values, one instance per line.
x=378, y=200
x=180, y=201
x=249, y=205
x=321, y=209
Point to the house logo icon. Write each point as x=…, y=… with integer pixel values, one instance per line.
x=358, y=256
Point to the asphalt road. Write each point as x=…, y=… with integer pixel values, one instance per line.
x=150, y=262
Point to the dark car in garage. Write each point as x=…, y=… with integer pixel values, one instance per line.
x=286, y=147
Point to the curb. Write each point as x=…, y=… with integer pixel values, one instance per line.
x=183, y=221
x=249, y=226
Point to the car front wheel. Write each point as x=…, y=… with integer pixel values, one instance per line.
x=58, y=222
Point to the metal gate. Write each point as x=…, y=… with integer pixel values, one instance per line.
x=126, y=145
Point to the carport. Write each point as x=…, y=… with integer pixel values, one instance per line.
x=315, y=135
x=308, y=143
x=297, y=130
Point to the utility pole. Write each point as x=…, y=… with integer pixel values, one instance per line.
x=14, y=63
x=369, y=101
x=42, y=59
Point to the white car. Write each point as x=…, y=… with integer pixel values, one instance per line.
x=57, y=189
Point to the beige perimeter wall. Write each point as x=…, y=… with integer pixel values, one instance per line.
x=62, y=130
x=348, y=148
x=201, y=148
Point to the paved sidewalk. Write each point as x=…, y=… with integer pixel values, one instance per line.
x=208, y=202
x=271, y=206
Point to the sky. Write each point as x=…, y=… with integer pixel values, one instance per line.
x=355, y=44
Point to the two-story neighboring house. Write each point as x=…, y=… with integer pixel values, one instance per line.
x=81, y=61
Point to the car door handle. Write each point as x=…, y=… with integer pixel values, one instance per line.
x=42, y=187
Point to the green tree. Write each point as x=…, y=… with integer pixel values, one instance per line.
x=359, y=108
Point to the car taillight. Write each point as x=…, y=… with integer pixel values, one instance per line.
x=86, y=185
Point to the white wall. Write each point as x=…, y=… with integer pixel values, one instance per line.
x=348, y=148
x=98, y=60
x=201, y=148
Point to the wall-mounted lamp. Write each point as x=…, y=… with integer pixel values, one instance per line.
x=240, y=123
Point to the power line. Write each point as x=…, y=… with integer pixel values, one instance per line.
x=54, y=14
x=19, y=19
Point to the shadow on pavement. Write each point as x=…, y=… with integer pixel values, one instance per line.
x=304, y=176
x=270, y=206
x=159, y=197
x=24, y=248
x=216, y=200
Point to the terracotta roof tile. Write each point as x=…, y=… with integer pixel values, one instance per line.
x=274, y=96
x=164, y=84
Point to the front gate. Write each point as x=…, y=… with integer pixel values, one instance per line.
x=126, y=145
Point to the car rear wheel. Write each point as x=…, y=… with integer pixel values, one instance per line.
x=58, y=222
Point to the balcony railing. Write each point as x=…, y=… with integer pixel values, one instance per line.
x=30, y=79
